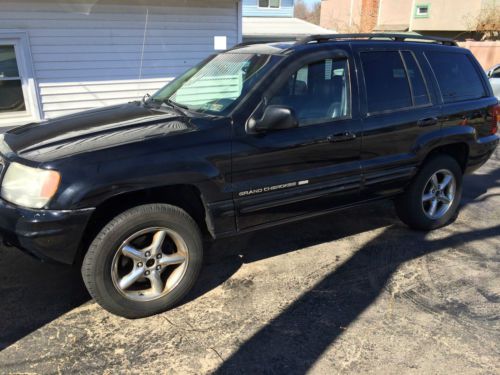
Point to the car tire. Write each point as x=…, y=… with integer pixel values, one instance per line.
x=136, y=252
x=415, y=206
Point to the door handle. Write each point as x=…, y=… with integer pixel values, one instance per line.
x=341, y=137
x=428, y=121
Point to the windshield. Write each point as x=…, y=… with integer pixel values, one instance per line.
x=216, y=85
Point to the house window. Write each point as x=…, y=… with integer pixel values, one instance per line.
x=11, y=86
x=18, y=102
x=269, y=3
x=422, y=11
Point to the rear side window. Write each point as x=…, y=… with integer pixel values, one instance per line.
x=387, y=86
x=457, y=78
x=420, y=93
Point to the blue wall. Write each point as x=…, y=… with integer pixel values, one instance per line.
x=251, y=9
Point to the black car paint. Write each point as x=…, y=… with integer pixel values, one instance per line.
x=117, y=150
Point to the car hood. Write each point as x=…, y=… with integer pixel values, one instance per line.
x=92, y=130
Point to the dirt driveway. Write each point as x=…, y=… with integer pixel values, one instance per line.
x=352, y=292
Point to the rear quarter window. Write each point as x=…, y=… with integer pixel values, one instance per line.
x=457, y=77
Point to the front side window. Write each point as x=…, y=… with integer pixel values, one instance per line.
x=317, y=92
x=457, y=78
x=11, y=87
x=269, y=3
x=495, y=73
x=214, y=87
x=387, y=86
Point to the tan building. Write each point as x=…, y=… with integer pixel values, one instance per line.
x=451, y=18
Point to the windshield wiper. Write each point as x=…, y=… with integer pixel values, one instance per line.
x=176, y=106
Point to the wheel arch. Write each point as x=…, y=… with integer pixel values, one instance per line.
x=187, y=197
x=457, y=150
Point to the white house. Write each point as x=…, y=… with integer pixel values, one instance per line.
x=271, y=20
x=63, y=56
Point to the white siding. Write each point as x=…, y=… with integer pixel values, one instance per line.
x=89, y=55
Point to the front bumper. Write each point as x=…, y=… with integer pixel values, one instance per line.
x=481, y=151
x=46, y=234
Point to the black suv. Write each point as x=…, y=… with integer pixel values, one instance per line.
x=256, y=136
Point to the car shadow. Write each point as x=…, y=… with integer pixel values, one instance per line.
x=34, y=294
x=224, y=257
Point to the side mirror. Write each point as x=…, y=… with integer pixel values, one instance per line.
x=275, y=117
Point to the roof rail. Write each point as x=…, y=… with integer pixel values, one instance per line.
x=245, y=44
x=394, y=37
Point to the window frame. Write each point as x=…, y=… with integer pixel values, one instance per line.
x=420, y=6
x=409, y=79
x=389, y=111
x=268, y=5
x=19, y=40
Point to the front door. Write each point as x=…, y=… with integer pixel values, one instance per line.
x=284, y=174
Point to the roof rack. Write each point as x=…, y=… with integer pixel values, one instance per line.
x=246, y=44
x=394, y=37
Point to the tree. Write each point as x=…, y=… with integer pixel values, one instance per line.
x=487, y=23
x=305, y=13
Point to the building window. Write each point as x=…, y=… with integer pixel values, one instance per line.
x=18, y=102
x=269, y=3
x=11, y=86
x=422, y=10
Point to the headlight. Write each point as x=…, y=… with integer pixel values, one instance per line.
x=29, y=187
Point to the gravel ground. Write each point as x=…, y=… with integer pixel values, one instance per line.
x=352, y=292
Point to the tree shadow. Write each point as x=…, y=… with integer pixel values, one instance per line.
x=293, y=341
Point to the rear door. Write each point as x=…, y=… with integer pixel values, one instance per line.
x=285, y=174
x=398, y=106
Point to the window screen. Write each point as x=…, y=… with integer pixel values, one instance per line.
x=457, y=78
x=11, y=91
x=317, y=92
x=420, y=94
x=387, y=86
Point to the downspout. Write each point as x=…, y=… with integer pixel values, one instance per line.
x=379, y=12
x=410, y=27
x=239, y=15
x=350, y=13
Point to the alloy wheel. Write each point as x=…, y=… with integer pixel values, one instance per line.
x=439, y=194
x=149, y=264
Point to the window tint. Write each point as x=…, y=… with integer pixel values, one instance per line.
x=496, y=73
x=387, y=86
x=11, y=92
x=317, y=92
x=457, y=78
x=420, y=94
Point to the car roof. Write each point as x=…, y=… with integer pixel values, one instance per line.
x=315, y=41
